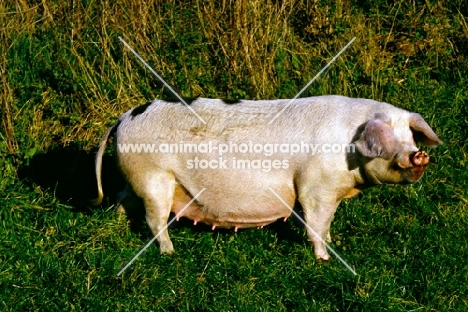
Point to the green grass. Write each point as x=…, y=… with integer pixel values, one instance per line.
x=65, y=77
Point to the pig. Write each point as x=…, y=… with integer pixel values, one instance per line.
x=239, y=185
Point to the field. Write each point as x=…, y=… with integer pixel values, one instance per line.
x=65, y=77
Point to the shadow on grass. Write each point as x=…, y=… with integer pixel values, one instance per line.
x=69, y=173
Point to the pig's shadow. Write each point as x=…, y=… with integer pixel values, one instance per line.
x=69, y=173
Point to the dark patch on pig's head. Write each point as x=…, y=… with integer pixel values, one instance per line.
x=231, y=101
x=140, y=109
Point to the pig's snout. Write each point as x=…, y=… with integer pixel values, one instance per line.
x=420, y=158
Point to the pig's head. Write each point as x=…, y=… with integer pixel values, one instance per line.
x=388, y=151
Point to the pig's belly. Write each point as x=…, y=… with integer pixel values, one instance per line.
x=255, y=215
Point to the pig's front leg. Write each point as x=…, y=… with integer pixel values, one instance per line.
x=318, y=215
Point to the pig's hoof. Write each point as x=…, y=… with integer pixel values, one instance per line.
x=324, y=258
x=120, y=209
x=167, y=252
x=166, y=248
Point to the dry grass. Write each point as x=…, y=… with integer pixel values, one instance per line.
x=240, y=49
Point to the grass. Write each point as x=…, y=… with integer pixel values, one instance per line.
x=66, y=77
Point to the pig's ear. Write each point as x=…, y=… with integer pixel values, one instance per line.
x=377, y=140
x=422, y=132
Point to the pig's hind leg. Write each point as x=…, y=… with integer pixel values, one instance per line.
x=156, y=189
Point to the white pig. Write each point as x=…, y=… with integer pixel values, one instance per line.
x=168, y=155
